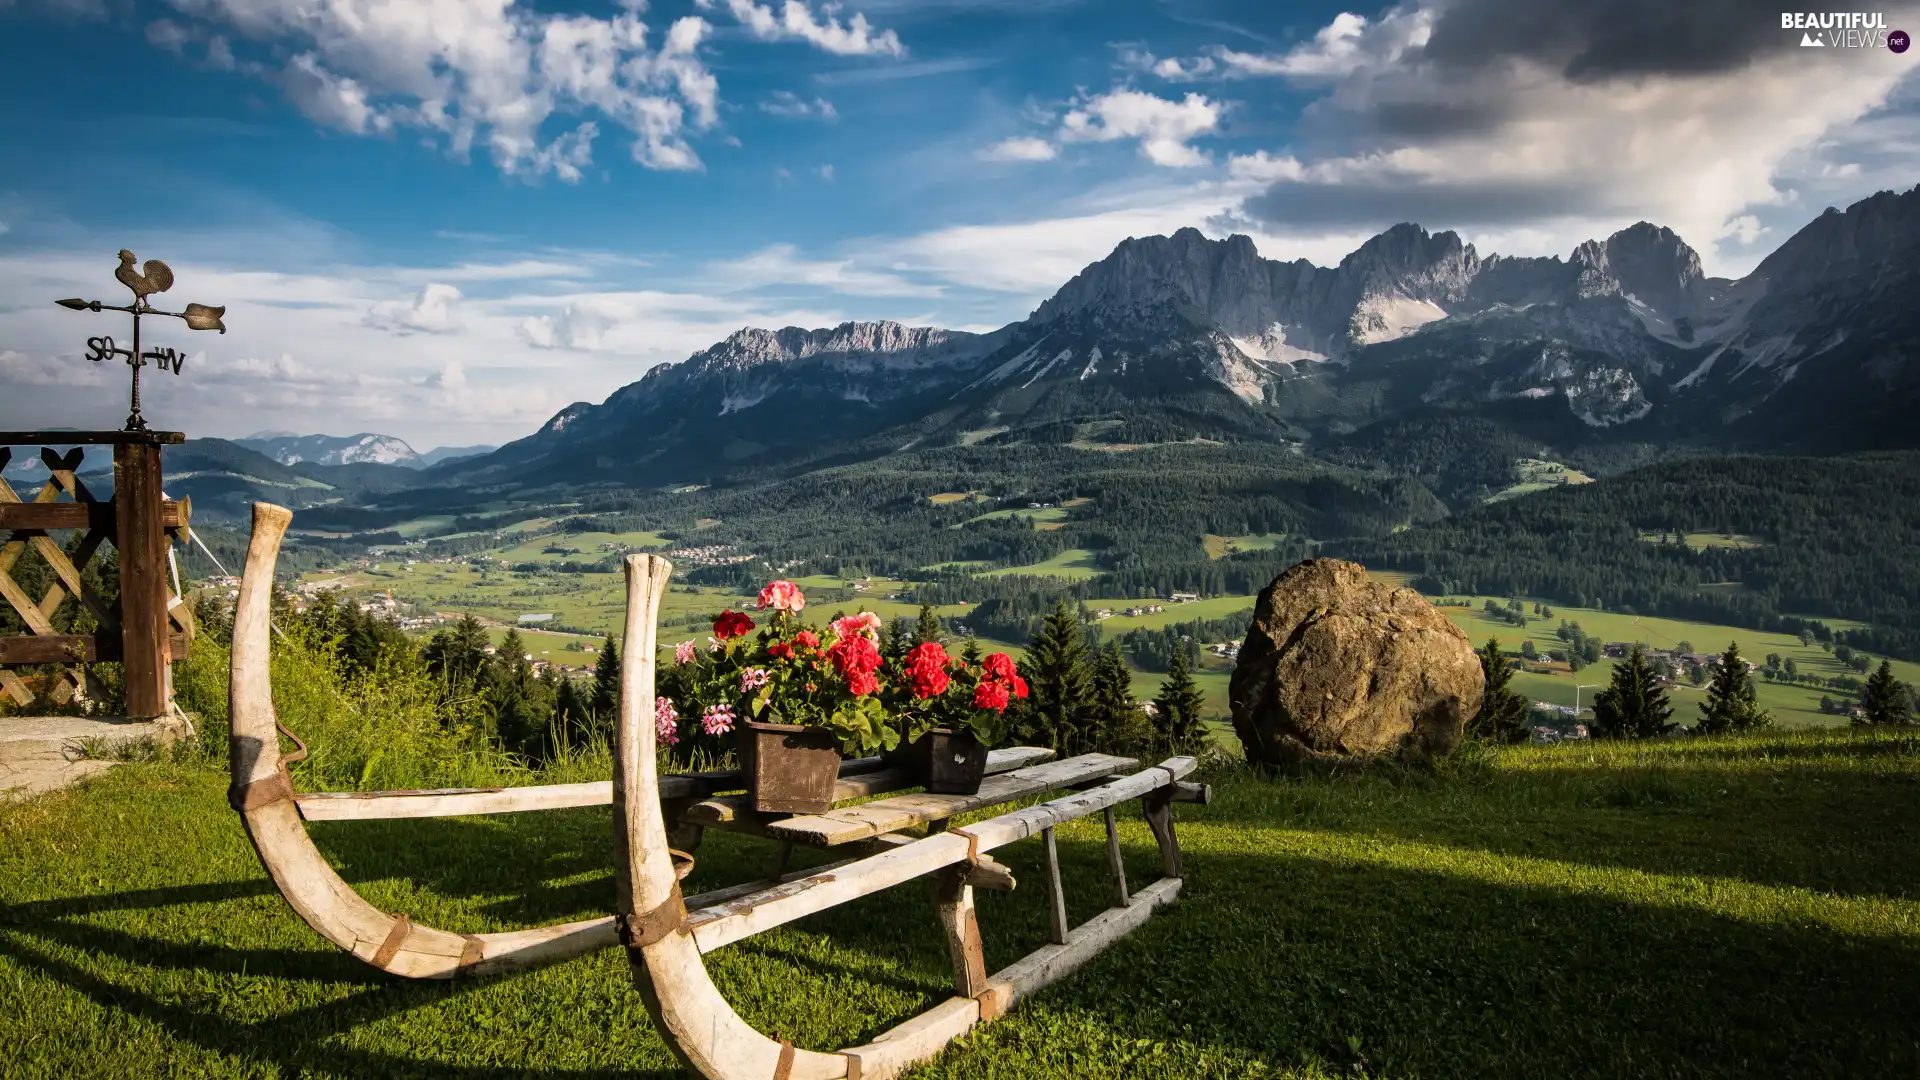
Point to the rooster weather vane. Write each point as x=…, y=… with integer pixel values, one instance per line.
x=154, y=277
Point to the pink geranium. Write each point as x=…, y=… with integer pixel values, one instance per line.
x=717, y=720
x=685, y=652
x=865, y=623
x=666, y=721
x=782, y=596
x=752, y=679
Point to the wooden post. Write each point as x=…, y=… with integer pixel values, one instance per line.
x=954, y=900
x=142, y=546
x=1056, y=895
x=1120, y=897
x=1159, y=811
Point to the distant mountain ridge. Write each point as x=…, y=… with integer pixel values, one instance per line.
x=364, y=448
x=1182, y=336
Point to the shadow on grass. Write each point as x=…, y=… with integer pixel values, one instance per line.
x=1295, y=961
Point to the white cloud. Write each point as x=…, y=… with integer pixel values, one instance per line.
x=788, y=104
x=19, y=369
x=1019, y=148
x=825, y=173
x=796, y=20
x=1263, y=167
x=1523, y=141
x=781, y=265
x=1170, y=68
x=490, y=73
x=1163, y=127
x=434, y=311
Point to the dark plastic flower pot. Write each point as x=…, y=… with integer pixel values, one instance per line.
x=789, y=769
x=948, y=762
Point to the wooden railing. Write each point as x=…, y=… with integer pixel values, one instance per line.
x=144, y=630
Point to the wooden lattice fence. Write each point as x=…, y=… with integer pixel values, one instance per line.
x=146, y=626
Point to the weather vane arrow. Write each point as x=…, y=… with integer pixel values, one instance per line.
x=154, y=277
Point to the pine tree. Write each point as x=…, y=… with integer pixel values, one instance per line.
x=1503, y=713
x=1115, y=714
x=927, y=628
x=896, y=641
x=603, y=700
x=458, y=653
x=1883, y=701
x=1059, y=681
x=1177, y=708
x=1730, y=704
x=970, y=651
x=1635, y=705
x=572, y=719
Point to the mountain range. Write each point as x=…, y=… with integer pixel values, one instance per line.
x=1182, y=337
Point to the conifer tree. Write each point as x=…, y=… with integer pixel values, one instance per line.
x=896, y=641
x=970, y=650
x=1178, y=707
x=572, y=720
x=928, y=627
x=1730, y=704
x=1503, y=713
x=1059, y=681
x=1635, y=705
x=457, y=654
x=1114, y=711
x=1883, y=701
x=603, y=700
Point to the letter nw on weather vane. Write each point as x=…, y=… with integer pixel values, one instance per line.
x=154, y=277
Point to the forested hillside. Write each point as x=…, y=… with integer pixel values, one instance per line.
x=1774, y=537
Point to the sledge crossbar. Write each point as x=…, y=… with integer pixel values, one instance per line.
x=735, y=920
x=735, y=813
x=459, y=802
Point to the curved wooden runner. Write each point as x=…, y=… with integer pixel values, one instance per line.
x=664, y=943
x=263, y=793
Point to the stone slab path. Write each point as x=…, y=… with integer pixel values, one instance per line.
x=45, y=753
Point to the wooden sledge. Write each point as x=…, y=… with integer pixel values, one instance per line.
x=664, y=933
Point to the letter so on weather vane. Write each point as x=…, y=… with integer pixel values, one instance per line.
x=154, y=277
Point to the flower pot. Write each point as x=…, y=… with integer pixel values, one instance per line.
x=948, y=762
x=789, y=769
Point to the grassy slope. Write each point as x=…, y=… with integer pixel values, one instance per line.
x=1684, y=909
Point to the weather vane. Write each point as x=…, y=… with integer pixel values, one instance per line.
x=154, y=277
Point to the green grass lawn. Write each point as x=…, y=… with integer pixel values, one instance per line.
x=1218, y=547
x=1710, y=908
x=1700, y=541
x=1042, y=518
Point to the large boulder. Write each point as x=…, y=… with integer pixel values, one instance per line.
x=1336, y=666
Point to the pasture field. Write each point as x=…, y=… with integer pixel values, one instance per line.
x=1219, y=547
x=1041, y=518
x=1074, y=564
x=1701, y=541
x=587, y=543
x=1712, y=908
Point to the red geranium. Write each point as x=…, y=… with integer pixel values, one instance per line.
x=808, y=638
x=859, y=683
x=856, y=655
x=780, y=650
x=1019, y=687
x=927, y=666
x=998, y=666
x=731, y=624
x=990, y=694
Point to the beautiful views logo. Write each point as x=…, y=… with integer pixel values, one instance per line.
x=1844, y=30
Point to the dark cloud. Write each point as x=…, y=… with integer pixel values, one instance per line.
x=1600, y=40
x=1348, y=206
x=1436, y=118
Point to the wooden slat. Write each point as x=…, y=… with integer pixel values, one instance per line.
x=905, y=811
x=47, y=516
x=459, y=802
x=73, y=648
x=724, y=924
x=735, y=812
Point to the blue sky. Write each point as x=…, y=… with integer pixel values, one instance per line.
x=445, y=219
